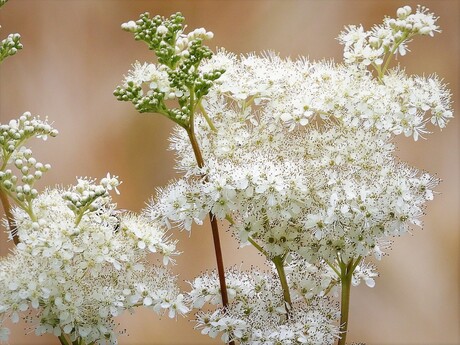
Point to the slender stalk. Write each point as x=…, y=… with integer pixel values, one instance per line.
x=63, y=340
x=9, y=215
x=258, y=247
x=219, y=258
x=214, y=225
x=207, y=118
x=346, y=274
x=382, y=71
x=279, y=264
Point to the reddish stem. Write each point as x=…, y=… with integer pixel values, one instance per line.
x=214, y=227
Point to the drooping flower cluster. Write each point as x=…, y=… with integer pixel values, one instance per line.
x=257, y=312
x=73, y=271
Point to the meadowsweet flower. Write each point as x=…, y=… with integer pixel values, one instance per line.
x=10, y=46
x=177, y=75
x=298, y=92
x=80, y=263
x=257, y=312
x=299, y=157
x=20, y=170
x=366, y=48
x=312, y=191
x=365, y=272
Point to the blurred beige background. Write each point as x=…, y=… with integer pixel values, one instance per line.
x=74, y=56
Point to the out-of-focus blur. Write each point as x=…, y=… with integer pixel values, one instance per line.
x=74, y=56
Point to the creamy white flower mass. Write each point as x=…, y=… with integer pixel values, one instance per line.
x=257, y=313
x=80, y=263
x=299, y=157
x=320, y=189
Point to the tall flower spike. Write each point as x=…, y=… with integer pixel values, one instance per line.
x=302, y=161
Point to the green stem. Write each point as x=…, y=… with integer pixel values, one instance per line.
x=346, y=275
x=390, y=56
x=258, y=247
x=329, y=288
x=63, y=340
x=80, y=216
x=207, y=118
x=333, y=268
x=279, y=264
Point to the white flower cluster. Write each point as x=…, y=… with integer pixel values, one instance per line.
x=17, y=131
x=12, y=138
x=298, y=92
x=298, y=157
x=164, y=28
x=178, y=74
x=155, y=76
x=87, y=196
x=313, y=191
x=257, y=313
x=308, y=280
x=370, y=47
x=74, y=272
x=10, y=45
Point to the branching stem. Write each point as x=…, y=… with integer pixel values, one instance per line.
x=279, y=264
x=346, y=276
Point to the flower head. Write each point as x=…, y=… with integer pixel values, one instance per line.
x=78, y=270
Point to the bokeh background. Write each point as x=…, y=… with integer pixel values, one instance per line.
x=74, y=56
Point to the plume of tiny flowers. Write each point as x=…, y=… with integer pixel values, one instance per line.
x=298, y=92
x=299, y=158
x=376, y=46
x=314, y=191
x=257, y=313
x=81, y=263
